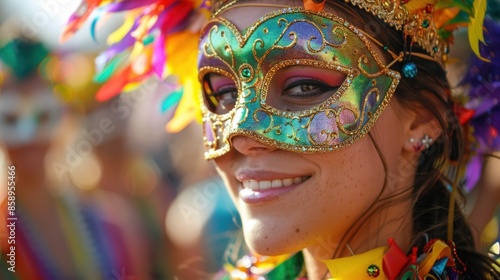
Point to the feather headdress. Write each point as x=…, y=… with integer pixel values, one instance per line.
x=158, y=37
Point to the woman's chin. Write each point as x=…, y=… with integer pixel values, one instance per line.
x=271, y=246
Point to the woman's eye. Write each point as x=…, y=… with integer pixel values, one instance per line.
x=226, y=94
x=299, y=88
x=220, y=94
x=307, y=88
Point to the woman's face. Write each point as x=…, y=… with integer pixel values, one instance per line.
x=289, y=200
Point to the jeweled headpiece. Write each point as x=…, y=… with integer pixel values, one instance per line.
x=427, y=23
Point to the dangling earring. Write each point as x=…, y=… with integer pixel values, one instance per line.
x=409, y=68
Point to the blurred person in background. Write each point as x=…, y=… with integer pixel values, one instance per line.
x=61, y=232
x=127, y=178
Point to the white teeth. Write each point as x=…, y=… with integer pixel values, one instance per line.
x=253, y=185
x=276, y=183
x=264, y=185
x=289, y=182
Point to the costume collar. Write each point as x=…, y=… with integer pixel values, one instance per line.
x=382, y=263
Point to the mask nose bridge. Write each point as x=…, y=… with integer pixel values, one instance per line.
x=248, y=102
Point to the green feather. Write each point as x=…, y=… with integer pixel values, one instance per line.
x=110, y=68
x=172, y=100
x=148, y=39
x=463, y=5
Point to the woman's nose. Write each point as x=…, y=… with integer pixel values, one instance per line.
x=249, y=146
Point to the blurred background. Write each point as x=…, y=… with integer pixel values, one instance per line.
x=102, y=191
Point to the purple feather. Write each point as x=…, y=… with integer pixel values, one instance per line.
x=473, y=171
x=127, y=42
x=128, y=5
x=159, y=56
x=484, y=79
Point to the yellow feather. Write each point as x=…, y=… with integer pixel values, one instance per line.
x=142, y=28
x=138, y=49
x=182, y=62
x=475, y=30
x=182, y=54
x=414, y=5
x=188, y=109
x=119, y=33
x=131, y=86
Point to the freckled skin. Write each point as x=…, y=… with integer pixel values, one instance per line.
x=323, y=207
x=328, y=188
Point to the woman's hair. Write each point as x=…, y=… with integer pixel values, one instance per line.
x=429, y=90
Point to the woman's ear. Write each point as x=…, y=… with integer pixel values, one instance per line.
x=423, y=130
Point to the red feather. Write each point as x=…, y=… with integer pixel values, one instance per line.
x=78, y=18
x=115, y=85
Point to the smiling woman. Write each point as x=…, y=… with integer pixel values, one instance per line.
x=332, y=126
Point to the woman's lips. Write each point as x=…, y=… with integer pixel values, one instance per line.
x=258, y=191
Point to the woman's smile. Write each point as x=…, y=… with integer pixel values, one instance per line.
x=255, y=187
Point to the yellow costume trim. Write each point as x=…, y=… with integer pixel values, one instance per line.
x=355, y=267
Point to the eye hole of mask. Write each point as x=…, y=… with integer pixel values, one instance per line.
x=299, y=88
x=219, y=93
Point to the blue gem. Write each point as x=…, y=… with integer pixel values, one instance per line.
x=410, y=70
x=439, y=266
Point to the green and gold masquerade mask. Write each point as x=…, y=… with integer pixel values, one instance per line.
x=296, y=80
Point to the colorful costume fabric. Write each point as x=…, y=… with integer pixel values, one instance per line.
x=384, y=263
x=98, y=246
